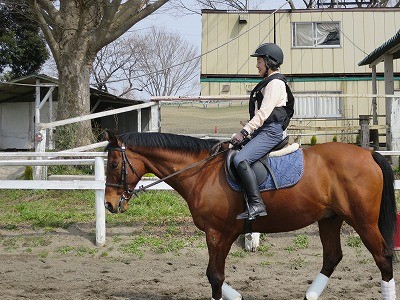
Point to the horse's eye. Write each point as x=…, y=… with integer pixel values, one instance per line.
x=114, y=165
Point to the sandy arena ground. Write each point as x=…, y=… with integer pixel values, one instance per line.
x=65, y=264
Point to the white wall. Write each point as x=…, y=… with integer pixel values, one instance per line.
x=16, y=125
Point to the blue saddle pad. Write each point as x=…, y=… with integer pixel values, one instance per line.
x=288, y=170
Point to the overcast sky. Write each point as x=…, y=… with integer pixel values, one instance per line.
x=189, y=26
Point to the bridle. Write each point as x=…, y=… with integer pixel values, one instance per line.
x=128, y=192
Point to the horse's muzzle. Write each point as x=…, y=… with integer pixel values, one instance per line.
x=121, y=207
x=110, y=207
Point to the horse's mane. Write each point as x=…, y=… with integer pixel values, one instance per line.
x=168, y=141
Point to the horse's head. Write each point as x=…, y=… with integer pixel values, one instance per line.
x=124, y=170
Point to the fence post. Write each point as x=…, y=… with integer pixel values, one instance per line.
x=155, y=117
x=364, y=134
x=40, y=172
x=395, y=129
x=100, y=208
x=139, y=120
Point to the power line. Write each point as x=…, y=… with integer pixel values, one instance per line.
x=340, y=29
x=201, y=55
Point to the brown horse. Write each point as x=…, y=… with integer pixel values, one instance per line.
x=341, y=183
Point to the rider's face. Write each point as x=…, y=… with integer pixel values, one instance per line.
x=262, y=69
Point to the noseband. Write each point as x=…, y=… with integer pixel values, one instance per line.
x=128, y=192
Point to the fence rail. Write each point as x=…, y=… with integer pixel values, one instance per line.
x=98, y=184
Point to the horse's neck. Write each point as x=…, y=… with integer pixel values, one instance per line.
x=165, y=163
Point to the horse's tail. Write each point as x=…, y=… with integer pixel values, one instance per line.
x=388, y=213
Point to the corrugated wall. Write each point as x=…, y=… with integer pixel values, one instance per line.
x=361, y=32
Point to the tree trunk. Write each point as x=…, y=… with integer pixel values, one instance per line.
x=73, y=101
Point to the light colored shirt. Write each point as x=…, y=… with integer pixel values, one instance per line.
x=274, y=96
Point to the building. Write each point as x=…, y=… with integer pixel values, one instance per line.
x=18, y=110
x=322, y=50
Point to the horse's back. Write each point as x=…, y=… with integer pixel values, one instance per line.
x=342, y=158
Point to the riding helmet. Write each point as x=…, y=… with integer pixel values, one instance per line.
x=270, y=50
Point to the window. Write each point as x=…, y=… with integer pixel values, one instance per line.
x=316, y=34
x=317, y=107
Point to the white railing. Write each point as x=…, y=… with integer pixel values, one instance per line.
x=97, y=159
x=98, y=184
x=41, y=128
x=74, y=158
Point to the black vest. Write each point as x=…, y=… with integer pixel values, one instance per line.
x=279, y=114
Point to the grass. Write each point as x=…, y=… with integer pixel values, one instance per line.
x=299, y=242
x=163, y=216
x=189, y=120
x=60, y=209
x=354, y=241
x=157, y=244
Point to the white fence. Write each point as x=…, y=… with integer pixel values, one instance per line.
x=98, y=184
x=74, y=158
x=91, y=158
x=96, y=159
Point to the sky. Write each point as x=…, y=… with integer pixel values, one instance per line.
x=188, y=26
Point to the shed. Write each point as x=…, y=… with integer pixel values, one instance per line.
x=18, y=108
x=387, y=53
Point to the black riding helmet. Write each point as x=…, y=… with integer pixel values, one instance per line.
x=269, y=50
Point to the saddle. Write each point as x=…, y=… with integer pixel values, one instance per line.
x=261, y=167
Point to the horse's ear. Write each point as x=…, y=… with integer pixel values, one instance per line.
x=111, y=138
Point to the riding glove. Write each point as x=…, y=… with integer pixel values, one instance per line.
x=237, y=139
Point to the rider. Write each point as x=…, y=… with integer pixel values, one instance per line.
x=268, y=119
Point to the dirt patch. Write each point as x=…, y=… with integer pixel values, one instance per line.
x=64, y=264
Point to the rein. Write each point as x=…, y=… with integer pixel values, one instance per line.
x=128, y=192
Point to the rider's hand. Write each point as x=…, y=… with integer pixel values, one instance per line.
x=237, y=139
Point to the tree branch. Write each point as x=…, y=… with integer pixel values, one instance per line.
x=129, y=14
x=39, y=12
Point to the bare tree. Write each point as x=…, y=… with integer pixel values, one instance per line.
x=117, y=62
x=197, y=6
x=158, y=62
x=310, y=4
x=75, y=31
x=167, y=64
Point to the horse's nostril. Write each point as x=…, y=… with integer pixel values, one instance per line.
x=108, y=205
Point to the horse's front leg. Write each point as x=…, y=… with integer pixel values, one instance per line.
x=218, y=248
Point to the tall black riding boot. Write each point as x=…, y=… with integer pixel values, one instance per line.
x=249, y=183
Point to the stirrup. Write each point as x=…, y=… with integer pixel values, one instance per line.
x=251, y=217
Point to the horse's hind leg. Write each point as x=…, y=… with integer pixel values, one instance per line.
x=373, y=240
x=329, y=232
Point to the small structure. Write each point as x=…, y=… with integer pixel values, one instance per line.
x=387, y=53
x=26, y=101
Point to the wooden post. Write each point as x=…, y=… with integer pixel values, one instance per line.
x=389, y=90
x=51, y=137
x=100, y=208
x=374, y=138
x=364, y=133
x=155, y=117
x=374, y=91
x=39, y=136
x=395, y=123
x=139, y=120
